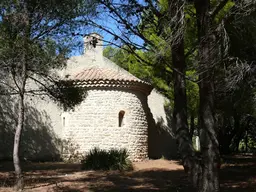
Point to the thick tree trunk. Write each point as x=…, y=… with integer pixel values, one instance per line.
x=208, y=136
x=208, y=140
x=190, y=161
x=180, y=121
x=180, y=102
x=238, y=132
x=203, y=172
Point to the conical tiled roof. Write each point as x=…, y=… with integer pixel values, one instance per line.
x=96, y=73
x=94, y=70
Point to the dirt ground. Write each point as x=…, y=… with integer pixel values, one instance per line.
x=237, y=174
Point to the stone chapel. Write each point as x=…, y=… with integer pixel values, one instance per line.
x=119, y=111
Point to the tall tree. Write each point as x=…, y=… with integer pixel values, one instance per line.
x=235, y=95
x=164, y=35
x=170, y=22
x=207, y=61
x=31, y=35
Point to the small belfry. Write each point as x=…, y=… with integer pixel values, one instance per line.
x=93, y=42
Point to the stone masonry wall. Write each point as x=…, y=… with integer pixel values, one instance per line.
x=95, y=123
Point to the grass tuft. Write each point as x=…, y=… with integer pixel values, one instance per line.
x=114, y=159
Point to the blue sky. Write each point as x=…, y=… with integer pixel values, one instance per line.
x=111, y=25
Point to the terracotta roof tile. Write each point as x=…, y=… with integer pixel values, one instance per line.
x=96, y=73
x=96, y=77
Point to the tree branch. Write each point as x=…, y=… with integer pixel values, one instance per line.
x=218, y=8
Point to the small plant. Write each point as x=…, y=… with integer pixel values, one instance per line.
x=114, y=159
x=70, y=152
x=163, y=157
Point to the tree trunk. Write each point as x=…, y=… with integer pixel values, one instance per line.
x=20, y=78
x=180, y=122
x=238, y=132
x=16, y=161
x=192, y=125
x=246, y=141
x=180, y=103
x=20, y=83
x=208, y=135
x=208, y=141
x=21, y=110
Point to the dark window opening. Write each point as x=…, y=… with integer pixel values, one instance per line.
x=63, y=121
x=94, y=41
x=121, y=118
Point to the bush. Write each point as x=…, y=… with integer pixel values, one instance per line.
x=113, y=159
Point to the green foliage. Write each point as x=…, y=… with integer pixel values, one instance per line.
x=67, y=94
x=248, y=146
x=144, y=71
x=39, y=36
x=33, y=41
x=40, y=31
x=233, y=25
x=224, y=11
x=114, y=159
x=129, y=62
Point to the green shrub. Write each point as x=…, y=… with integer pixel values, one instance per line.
x=114, y=159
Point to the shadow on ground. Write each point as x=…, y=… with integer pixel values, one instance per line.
x=68, y=177
x=237, y=175
x=152, y=180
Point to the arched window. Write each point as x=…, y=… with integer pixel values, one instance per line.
x=121, y=118
x=63, y=121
